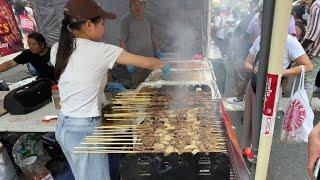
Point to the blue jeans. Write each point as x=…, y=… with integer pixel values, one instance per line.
x=70, y=132
x=32, y=70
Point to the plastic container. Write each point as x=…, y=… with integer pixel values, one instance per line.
x=55, y=96
x=34, y=170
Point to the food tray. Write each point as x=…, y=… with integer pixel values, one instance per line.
x=215, y=94
x=181, y=75
x=189, y=65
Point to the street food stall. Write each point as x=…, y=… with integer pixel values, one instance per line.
x=173, y=127
x=169, y=127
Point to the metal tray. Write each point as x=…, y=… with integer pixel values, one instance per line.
x=189, y=65
x=216, y=96
x=181, y=75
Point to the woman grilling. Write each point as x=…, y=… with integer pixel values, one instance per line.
x=82, y=62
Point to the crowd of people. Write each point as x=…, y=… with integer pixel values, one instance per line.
x=81, y=49
x=235, y=39
x=242, y=46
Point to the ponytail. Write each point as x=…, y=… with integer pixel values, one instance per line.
x=67, y=43
x=65, y=48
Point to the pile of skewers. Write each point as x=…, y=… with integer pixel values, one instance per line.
x=168, y=125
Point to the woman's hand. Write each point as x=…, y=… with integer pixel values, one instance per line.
x=296, y=70
x=255, y=70
x=248, y=65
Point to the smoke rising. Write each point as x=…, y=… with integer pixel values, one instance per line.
x=184, y=30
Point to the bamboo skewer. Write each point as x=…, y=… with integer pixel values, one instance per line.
x=121, y=119
x=138, y=113
x=117, y=130
x=125, y=115
x=128, y=96
x=129, y=107
x=109, y=140
x=153, y=103
x=119, y=136
x=133, y=103
x=103, y=148
x=109, y=143
x=126, y=110
x=120, y=126
x=149, y=99
x=130, y=93
x=117, y=133
x=162, y=108
x=125, y=106
x=134, y=93
x=133, y=99
x=106, y=152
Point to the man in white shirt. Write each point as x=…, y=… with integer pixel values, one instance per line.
x=294, y=52
x=220, y=23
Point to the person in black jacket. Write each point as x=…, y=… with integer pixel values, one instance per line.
x=38, y=55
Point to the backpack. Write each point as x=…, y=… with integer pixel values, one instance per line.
x=29, y=97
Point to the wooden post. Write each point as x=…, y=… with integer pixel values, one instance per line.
x=273, y=80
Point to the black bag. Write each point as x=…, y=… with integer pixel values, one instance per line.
x=318, y=79
x=253, y=75
x=29, y=97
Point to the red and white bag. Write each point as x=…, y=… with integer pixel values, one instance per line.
x=298, y=118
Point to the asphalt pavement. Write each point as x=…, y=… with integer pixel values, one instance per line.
x=287, y=161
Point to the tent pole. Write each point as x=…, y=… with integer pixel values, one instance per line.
x=266, y=32
x=281, y=20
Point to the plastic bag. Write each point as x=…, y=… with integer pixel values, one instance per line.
x=29, y=145
x=26, y=23
x=7, y=170
x=298, y=119
x=33, y=169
